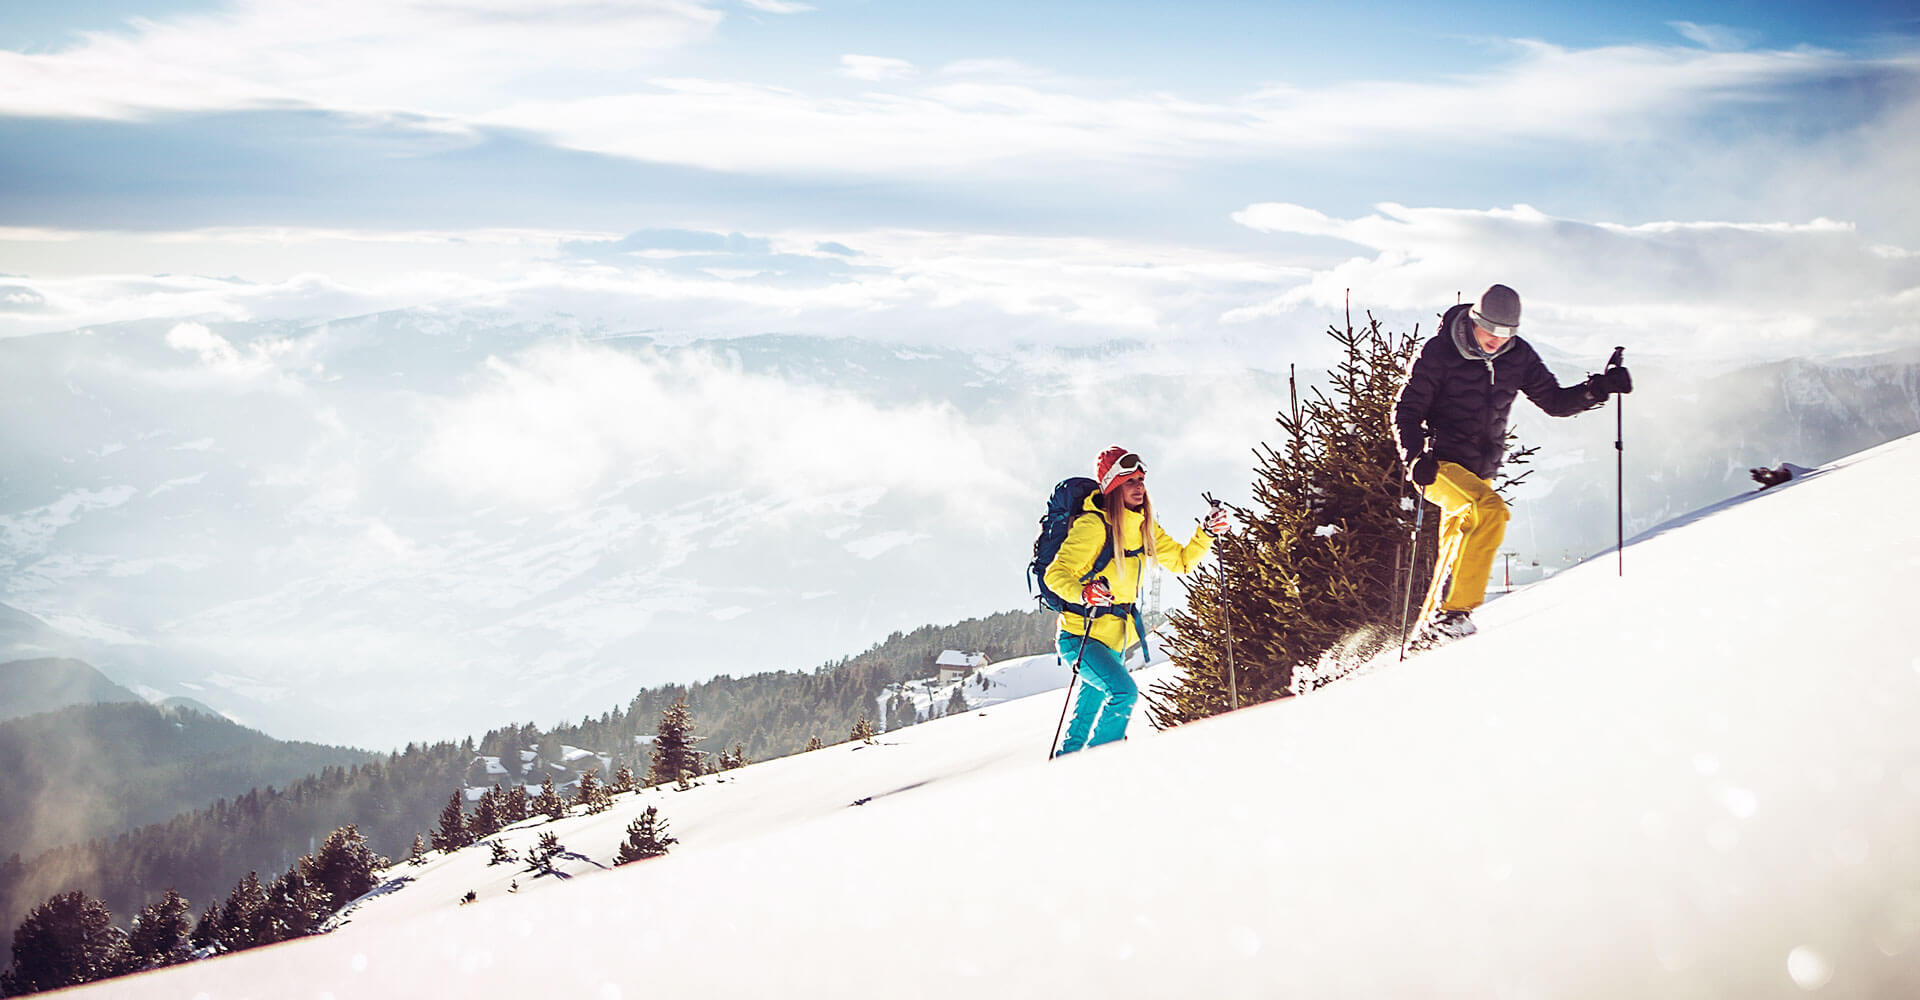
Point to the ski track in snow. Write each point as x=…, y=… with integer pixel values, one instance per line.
x=1701, y=779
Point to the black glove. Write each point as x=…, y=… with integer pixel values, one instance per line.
x=1424, y=469
x=1613, y=380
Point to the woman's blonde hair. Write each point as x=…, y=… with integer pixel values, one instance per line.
x=1111, y=499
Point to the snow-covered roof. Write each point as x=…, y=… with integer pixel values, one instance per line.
x=956, y=658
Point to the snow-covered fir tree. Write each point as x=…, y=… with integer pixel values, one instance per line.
x=206, y=932
x=160, y=933
x=549, y=801
x=452, y=834
x=295, y=906
x=244, y=920
x=67, y=940
x=486, y=814
x=591, y=794
x=1320, y=556
x=674, y=755
x=343, y=868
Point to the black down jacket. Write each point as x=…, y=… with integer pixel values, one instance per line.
x=1457, y=397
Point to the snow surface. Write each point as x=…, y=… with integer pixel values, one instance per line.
x=1700, y=780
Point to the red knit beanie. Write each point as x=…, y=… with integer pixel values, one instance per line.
x=1112, y=471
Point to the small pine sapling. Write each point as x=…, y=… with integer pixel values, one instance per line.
x=647, y=837
x=540, y=859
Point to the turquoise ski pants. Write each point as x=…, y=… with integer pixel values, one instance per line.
x=1107, y=694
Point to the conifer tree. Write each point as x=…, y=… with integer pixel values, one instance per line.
x=452, y=834
x=549, y=801
x=418, y=856
x=159, y=934
x=244, y=920
x=813, y=743
x=623, y=780
x=294, y=906
x=957, y=705
x=67, y=940
x=862, y=730
x=647, y=837
x=342, y=870
x=486, y=815
x=517, y=808
x=591, y=793
x=206, y=933
x=674, y=755
x=1321, y=555
x=540, y=859
x=501, y=855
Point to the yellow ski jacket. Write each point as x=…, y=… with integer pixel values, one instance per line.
x=1085, y=539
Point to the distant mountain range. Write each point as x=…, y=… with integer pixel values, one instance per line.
x=95, y=766
x=1691, y=439
x=28, y=687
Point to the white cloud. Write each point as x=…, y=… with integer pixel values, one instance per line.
x=551, y=426
x=777, y=6
x=423, y=55
x=909, y=286
x=212, y=348
x=876, y=545
x=29, y=533
x=219, y=357
x=1718, y=37
x=1697, y=287
x=875, y=67
x=957, y=125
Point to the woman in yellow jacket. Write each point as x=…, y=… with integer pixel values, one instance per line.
x=1095, y=644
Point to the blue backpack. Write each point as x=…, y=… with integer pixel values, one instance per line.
x=1063, y=506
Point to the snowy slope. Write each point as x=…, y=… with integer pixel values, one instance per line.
x=1701, y=780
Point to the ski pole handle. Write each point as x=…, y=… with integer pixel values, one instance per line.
x=1618, y=353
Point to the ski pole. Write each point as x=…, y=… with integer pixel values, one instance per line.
x=1054, y=749
x=1619, y=470
x=1413, y=560
x=1226, y=617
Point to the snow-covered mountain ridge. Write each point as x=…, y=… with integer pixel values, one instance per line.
x=1701, y=779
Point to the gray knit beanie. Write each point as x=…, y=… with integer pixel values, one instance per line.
x=1499, y=306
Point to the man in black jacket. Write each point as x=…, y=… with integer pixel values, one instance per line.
x=1451, y=424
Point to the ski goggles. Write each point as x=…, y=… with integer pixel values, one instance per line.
x=1124, y=467
x=1491, y=327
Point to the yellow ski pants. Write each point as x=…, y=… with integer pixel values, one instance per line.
x=1473, y=523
